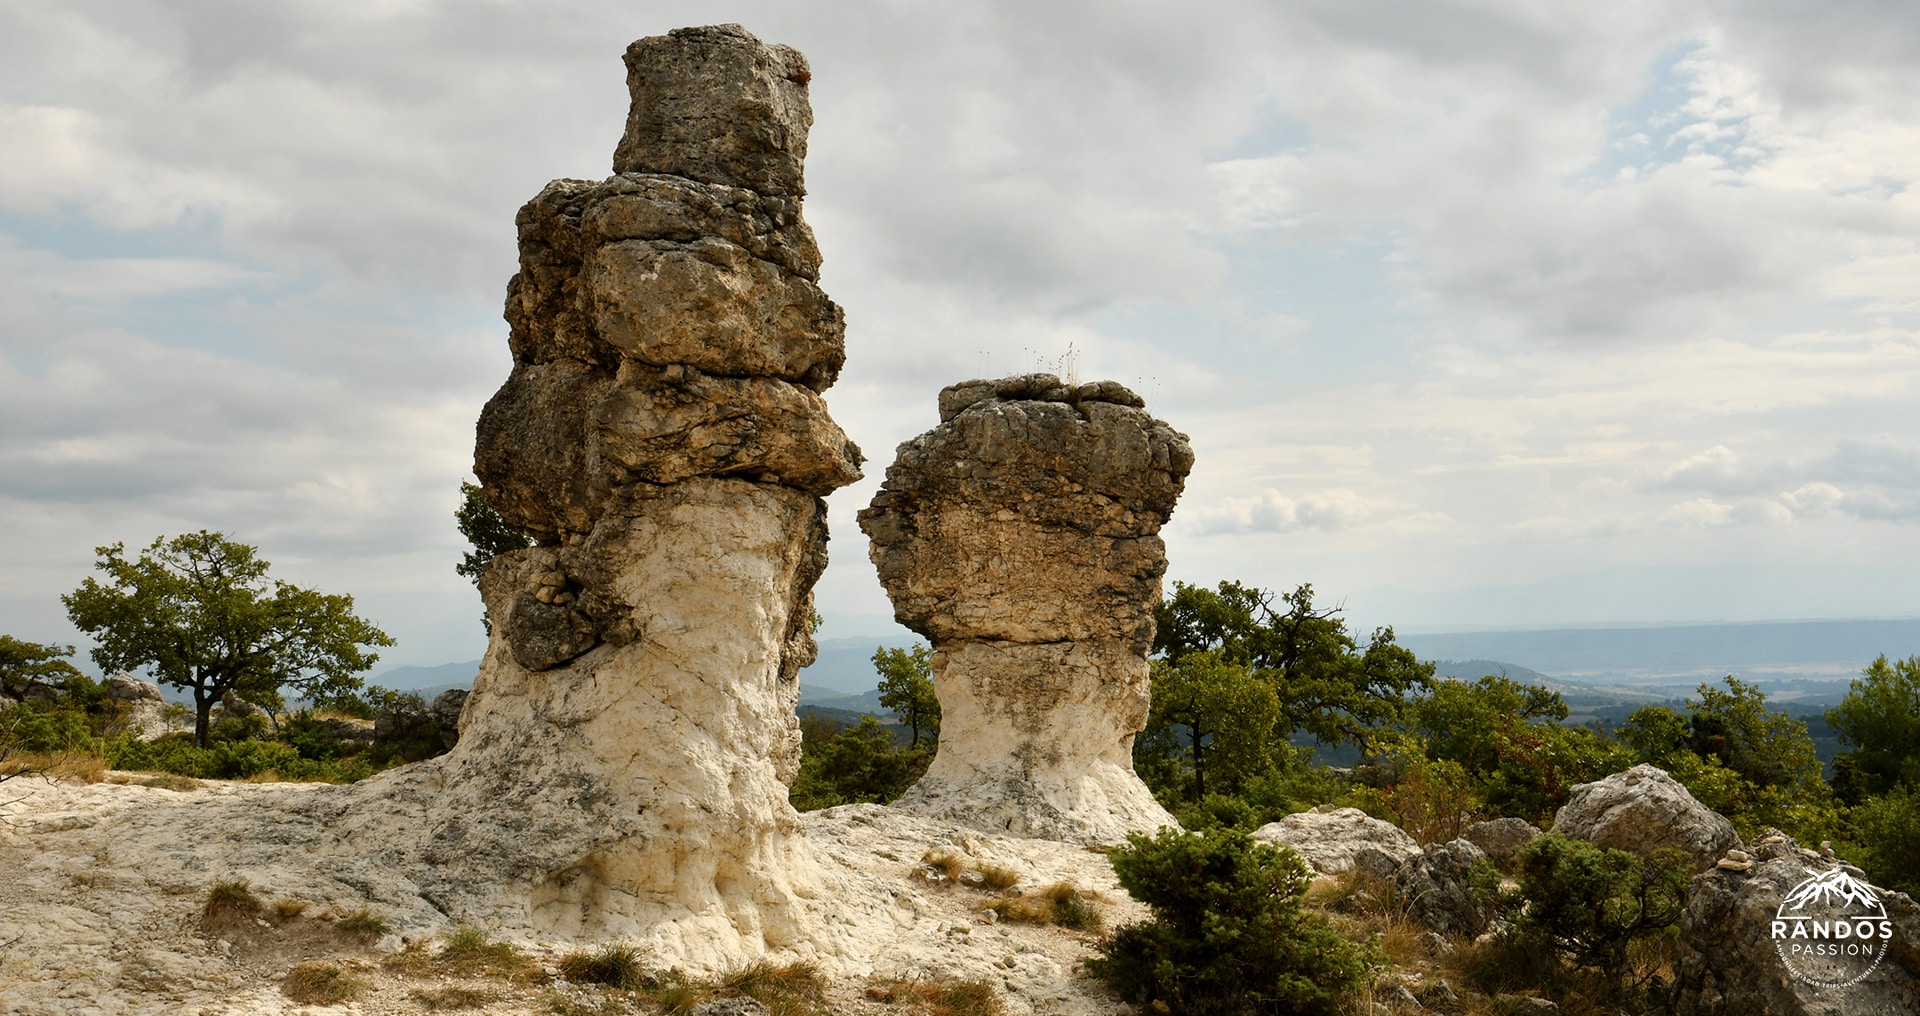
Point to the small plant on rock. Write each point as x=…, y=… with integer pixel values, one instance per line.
x=229, y=902
x=1060, y=903
x=362, y=924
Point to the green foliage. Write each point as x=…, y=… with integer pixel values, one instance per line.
x=1592, y=904
x=860, y=764
x=1882, y=832
x=906, y=689
x=1756, y=766
x=1432, y=799
x=1325, y=683
x=1539, y=764
x=47, y=728
x=1880, y=720
x=30, y=668
x=228, y=760
x=488, y=533
x=1228, y=934
x=1463, y=722
x=1210, y=727
x=199, y=612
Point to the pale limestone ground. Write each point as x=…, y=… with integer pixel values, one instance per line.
x=101, y=887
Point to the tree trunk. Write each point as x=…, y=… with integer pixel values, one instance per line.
x=202, y=707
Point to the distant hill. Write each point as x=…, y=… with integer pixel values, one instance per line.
x=1808, y=663
x=846, y=664
x=1474, y=670
x=421, y=679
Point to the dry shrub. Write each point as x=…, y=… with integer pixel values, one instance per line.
x=287, y=910
x=786, y=991
x=940, y=998
x=321, y=984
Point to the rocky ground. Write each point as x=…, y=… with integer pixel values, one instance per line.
x=103, y=888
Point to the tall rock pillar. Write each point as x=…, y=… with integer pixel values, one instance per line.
x=1019, y=536
x=623, y=759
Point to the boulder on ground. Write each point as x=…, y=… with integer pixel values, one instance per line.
x=124, y=687
x=1436, y=888
x=1643, y=810
x=1330, y=839
x=1729, y=963
x=1502, y=839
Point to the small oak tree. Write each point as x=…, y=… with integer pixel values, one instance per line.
x=906, y=688
x=27, y=668
x=199, y=612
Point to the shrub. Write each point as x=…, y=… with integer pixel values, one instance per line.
x=1884, y=830
x=1592, y=904
x=940, y=998
x=321, y=984
x=470, y=952
x=860, y=764
x=1228, y=934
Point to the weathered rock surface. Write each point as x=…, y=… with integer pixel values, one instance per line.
x=1019, y=536
x=1436, y=888
x=104, y=884
x=621, y=762
x=147, y=715
x=1729, y=964
x=1502, y=839
x=1643, y=810
x=1330, y=839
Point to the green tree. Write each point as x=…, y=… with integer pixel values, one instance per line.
x=1591, y=904
x=199, y=612
x=1228, y=935
x=1880, y=720
x=1213, y=720
x=489, y=534
x=906, y=689
x=1462, y=722
x=852, y=765
x=1324, y=681
x=29, y=666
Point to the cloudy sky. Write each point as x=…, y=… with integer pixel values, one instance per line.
x=1480, y=313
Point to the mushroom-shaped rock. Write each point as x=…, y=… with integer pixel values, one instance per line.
x=621, y=763
x=1643, y=810
x=1019, y=536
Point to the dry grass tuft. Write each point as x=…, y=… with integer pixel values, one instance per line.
x=949, y=864
x=287, y=910
x=1060, y=903
x=362, y=924
x=321, y=984
x=230, y=902
x=998, y=877
x=470, y=953
x=452, y=997
x=940, y=998
x=616, y=966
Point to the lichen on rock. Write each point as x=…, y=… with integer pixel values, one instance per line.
x=1020, y=537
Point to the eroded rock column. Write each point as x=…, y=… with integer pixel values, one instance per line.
x=623, y=760
x=1019, y=537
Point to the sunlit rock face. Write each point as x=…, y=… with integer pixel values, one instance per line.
x=622, y=765
x=1019, y=536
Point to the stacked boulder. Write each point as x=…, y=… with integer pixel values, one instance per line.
x=622, y=762
x=1019, y=537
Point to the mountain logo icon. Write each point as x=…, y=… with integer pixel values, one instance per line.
x=1831, y=929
